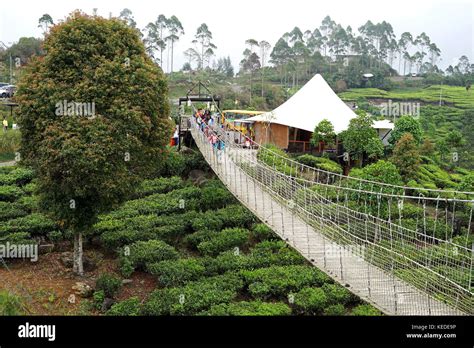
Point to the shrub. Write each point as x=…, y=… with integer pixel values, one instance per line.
x=194, y=239
x=177, y=272
x=109, y=284
x=10, y=193
x=195, y=297
x=142, y=253
x=224, y=240
x=98, y=298
x=335, y=310
x=128, y=307
x=337, y=294
x=311, y=300
x=159, y=185
x=11, y=211
x=281, y=280
x=55, y=236
x=9, y=304
x=17, y=238
x=126, y=267
x=261, y=232
x=253, y=308
x=215, y=196
x=365, y=310
x=35, y=224
x=320, y=163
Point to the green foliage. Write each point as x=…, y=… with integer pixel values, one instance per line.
x=36, y=224
x=365, y=310
x=10, y=304
x=109, y=284
x=310, y=300
x=159, y=185
x=10, y=210
x=55, y=236
x=406, y=124
x=335, y=310
x=144, y=252
x=177, y=272
x=10, y=193
x=357, y=136
x=261, y=232
x=467, y=183
x=381, y=171
x=323, y=132
x=129, y=307
x=320, y=163
x=253, y=308
x=406, y=156
x=224, y=240
x=93, y=149
x=336, y=294
x=280, y=280
x=194, y=297
x=215, y=196
x=98, y=298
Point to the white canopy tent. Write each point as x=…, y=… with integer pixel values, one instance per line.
x=314, y=102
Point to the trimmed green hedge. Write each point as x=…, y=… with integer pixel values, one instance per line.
x=252, y=308
x=10, y=193
x=195, y=297
x=311, y=301
x=142, y=253
x=281, y=280
x=128, y=307
x=177, y=272
x=35, y=224
x=320, y=163
x=224, y=240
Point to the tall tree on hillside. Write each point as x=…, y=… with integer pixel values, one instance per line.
x=252, y=43
x=250, y=64
x=127, y=16
x=405, y=42
x=175, y=29
x=326, y=28
x=45, y=22
x=161, y=24
x=154, y=42
x=205, y=48
x=264, y=51
x=280, y=56
x=224, y=66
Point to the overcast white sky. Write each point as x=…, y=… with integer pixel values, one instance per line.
x=448, y=23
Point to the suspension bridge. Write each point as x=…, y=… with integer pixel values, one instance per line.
x=354, y=230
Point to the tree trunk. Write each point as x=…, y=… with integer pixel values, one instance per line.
x=78, y=267
x=172, y=54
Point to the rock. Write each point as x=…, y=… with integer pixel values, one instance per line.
x=108, y=302
x=82, y=289
x=126, y=281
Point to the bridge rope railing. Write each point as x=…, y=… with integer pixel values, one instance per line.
x=437, y=266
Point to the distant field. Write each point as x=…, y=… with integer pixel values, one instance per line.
x=458, y=96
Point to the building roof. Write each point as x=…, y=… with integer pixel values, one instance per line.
x=314, y=102
x=383, y=124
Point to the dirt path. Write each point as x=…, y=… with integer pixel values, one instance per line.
x=45, y=286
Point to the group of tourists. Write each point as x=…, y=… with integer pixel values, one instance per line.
x=206, y=123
